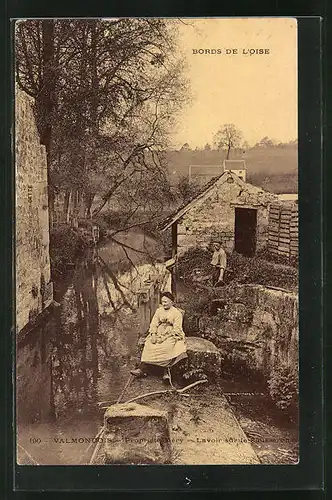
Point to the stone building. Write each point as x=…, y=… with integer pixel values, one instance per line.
x=34, y=291
x=227, y=208
x=238, y=167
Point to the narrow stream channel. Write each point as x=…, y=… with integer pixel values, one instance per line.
x=83, y=355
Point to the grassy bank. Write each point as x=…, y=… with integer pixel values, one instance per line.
x=262, y=269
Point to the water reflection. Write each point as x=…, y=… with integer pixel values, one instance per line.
x=84, y=352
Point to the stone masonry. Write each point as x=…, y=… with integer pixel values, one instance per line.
x=256, y=328
x=33, y=287
x=214, y=216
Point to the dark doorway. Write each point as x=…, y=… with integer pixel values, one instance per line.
x=245, y=231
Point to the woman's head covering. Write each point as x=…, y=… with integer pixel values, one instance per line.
x=168, y=295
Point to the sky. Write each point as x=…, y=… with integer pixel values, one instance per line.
x=257, y=93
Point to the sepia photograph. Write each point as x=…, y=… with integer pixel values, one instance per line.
x=156, y=241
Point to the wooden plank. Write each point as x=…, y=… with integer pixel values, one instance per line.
x=283, y=251
x=286, y=210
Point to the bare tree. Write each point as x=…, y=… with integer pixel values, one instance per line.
x=107, y=93
x=227, y=138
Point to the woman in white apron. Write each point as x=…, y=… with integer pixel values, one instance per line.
x=165, y=344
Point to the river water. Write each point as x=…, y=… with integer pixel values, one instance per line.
x=83, y=354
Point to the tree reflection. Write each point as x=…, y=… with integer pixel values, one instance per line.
x=75, y=345
x=97, y=325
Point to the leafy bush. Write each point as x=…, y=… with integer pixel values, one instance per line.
x=192, y=374
x=194, y=266
x=257, y=270
x=66, y=243
x=193, y=259
x=283, y=387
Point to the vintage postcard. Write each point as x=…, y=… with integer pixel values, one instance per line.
x=156, y=261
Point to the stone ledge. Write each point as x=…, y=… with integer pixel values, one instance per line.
x=203, y=356
x=136, y=434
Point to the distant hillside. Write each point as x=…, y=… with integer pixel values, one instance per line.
x=272, y=168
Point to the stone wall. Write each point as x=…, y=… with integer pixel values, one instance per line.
x=34, y=396
x=33, y=287
x=256, y=328
x=214, y=216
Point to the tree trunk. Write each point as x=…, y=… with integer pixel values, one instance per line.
x=89, y=205
x=228, y=151
x=45, y=103
x=66, y=205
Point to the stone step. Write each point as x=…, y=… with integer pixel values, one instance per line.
x=136, y=434
x=203, y=358
x=202, y=431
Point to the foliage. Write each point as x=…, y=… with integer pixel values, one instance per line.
x=106, y=95
x=228, y=137
x=66, y=243
x=283, y=387
x=194, y=373
x=265, y=143
x=193, y=258
x=195, y=416
x=194, y=266
x=186, y=189
x=260, y=271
